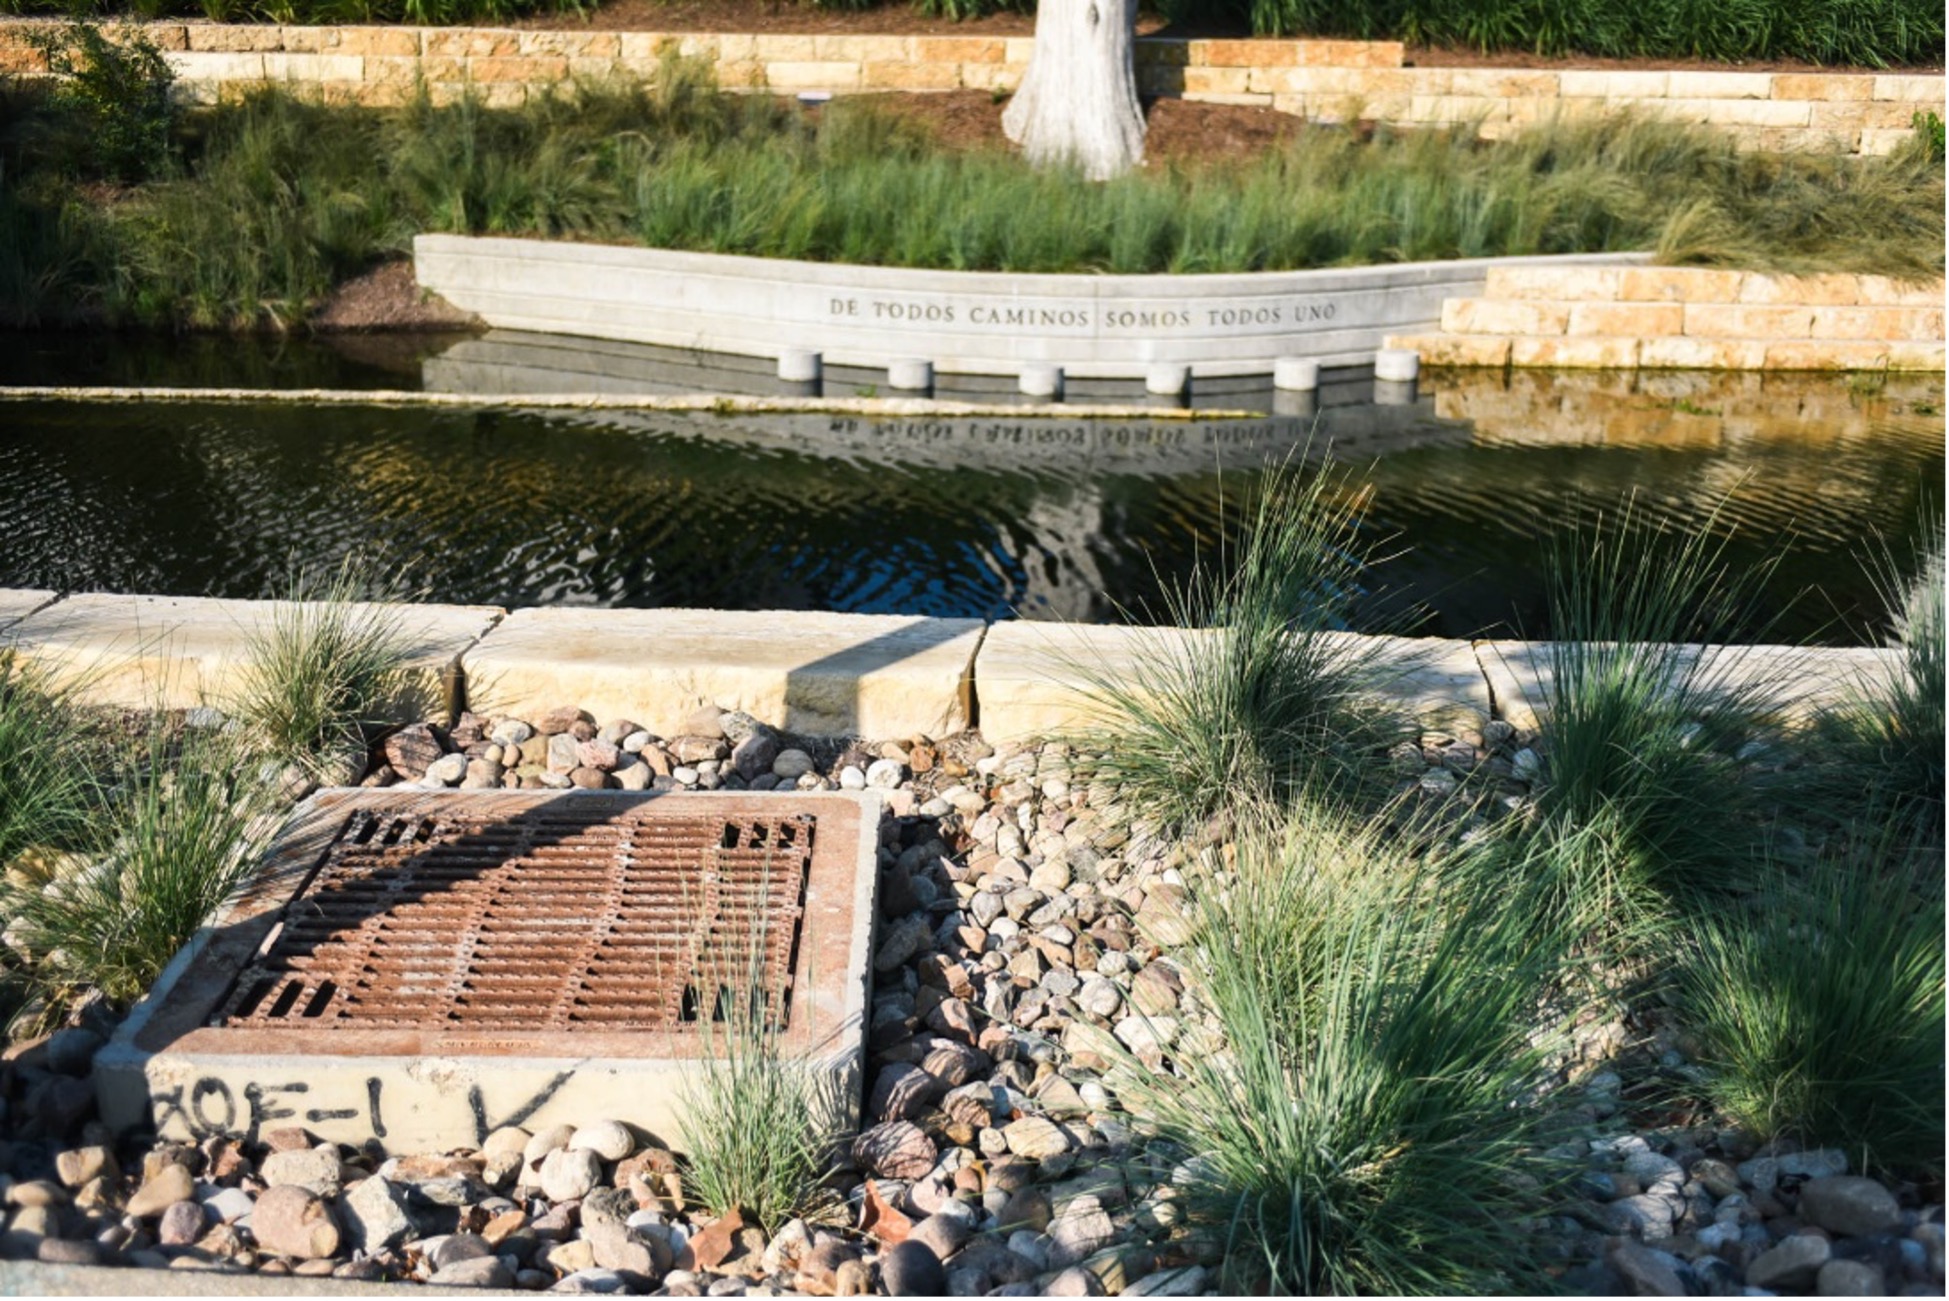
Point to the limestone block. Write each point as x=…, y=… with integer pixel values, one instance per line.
x=1736, y=321
x=213, y=67
x=1630, y=320
x=991, y=76
x=16, y=603
x=1039, y=679
x=1350, y=54
x=1678, y=285
x=1793, y=683
x=1684, y=353
x=1827, y=355
x=1217, y=81
x=1018, y=49
x=1455, y=349
x=812, y=75
x=1763, y=112
x=1719, y=85
x=1837, y=290
x=1915, y=354
x=1501, y=83
x=1632, y=87
x=541, y=69
x=388, y=41
x=1910, y=89
x=959, y=49
x=901, y=75
x=1496, y=316
x=880, y=676
x=1561, y=284
x=1575, y=354
x=1826, y=86
x=228, y=38
x=175, y=652
x=1245, y=54
x=470, y=43
x=572, y=45
x=863, y=49
x=774, y=48
x=311, y=68
x=1876, y=142
x=1881, y=323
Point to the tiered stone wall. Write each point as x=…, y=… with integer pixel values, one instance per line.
x=1688, y=318
x=1862, y=112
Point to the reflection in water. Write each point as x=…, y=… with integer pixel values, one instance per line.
x=1068, y=519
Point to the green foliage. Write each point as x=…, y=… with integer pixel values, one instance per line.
x=1870, y=33
x=1928, y=131
x=1642, y=793
x=174, y=844
x=48, y=793
x=1366, y=1128
x=280, y=199
x=753, y=1117
x=110, y=108
x=1818, y=1009
x=428, y=13
x=324, y=668
x=1258, y=703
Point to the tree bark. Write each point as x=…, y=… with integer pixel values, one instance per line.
x=1077, y=105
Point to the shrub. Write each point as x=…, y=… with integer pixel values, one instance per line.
x=1365, y=1125
x=173, y=845
x=1257, y=703
x=323, y=669
x=1818, y=1010
x=112, y=99
x=1892, y=741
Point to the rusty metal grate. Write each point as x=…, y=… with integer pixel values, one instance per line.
x=553, y=919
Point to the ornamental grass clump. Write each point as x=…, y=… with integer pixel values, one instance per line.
x=50, y=789
x=175, y=841
x=1369, y=1122
x=1253, y=701
x=1887, y=739
x=1643, y=797
x=753, y=1116
x=1817, y=1006
x=323, y=669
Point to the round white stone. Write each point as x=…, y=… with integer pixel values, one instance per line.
x=608, y=1139
x=912, y=374
x=1040, y=380
x=800, y=365
x=1397, y=364
x=1168, y=379
x=1295, y=374
x=791, y=764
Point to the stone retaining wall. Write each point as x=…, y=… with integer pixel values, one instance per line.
x=1688, y=318
x=881, y=676
x=1863, y=112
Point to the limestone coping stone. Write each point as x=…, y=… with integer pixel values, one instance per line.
x=967, y=322
x=178, y=652
x=805, y=671
x=16, y=603
x=1034, y=679
x=1799, y=680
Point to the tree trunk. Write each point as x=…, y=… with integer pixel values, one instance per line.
x=1077, y=105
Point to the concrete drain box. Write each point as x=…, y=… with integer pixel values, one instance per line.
x=427, y=967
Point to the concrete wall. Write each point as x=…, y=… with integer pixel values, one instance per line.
x=963, y=321
x=884, y=676
x=1863, y=112
x=1688, y=318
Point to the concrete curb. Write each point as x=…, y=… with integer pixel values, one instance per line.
x=711, y=404
x=818, y=673
x=19, y=1278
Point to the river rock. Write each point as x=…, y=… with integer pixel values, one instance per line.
x=1650, y=1273
x=608, y=1139
x=895, y=1150
x=755, y=755
x=1850, y=1278
x=911, y=1269
x=1792, y=1263
x=412, y=749
x=790, y=765
x=167, y=1186
x=477, y=1271
x=1036, y=1138
x=181, y=1224
x=292, y=1221
x=1850, y=1205
x=315, y=1168
x=79, y=1166
x=72, y=1050
x=568, y=1174
x=375, y=1215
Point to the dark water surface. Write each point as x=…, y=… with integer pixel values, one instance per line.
x=1048, y=519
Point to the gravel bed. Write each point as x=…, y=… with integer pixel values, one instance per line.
x=1025, y=924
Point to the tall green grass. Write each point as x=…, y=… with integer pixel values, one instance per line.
x=428, y=13
x=272, y=202
x=1642, y=791
x=1817, y=1007
x=50, y=787
x=325, y=668
x=177, y=839
x=1252, y=702
x=1367, y=1125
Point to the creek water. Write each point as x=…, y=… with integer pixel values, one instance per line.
x=1465, y=486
